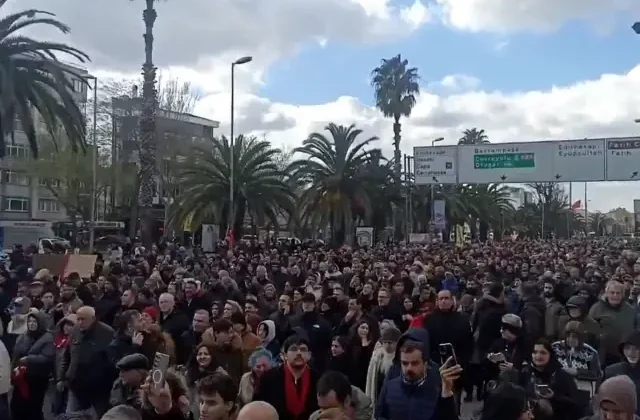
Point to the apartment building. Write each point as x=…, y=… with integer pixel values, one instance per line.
x=176, y=133
x=23, y=197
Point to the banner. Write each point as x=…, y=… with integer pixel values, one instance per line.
x=419, y=238
x=439, y=218
x=364, y=236
x=209, y=237
x=636, y=217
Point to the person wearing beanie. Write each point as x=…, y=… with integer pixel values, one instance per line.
x=617, y=399
x=381, y=361
x=511, y=345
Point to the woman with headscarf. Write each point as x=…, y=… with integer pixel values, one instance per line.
x=544, y=378
x=267, y=333
x=260, y=361
x=32, y=362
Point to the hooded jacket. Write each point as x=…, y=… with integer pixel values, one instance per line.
x=37, y=347
x=591, y=327
x=399, y=400
x=270, y=342
x=616, y=322
x=626, y=368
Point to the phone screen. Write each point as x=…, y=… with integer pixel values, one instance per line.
x=446, y=352
x=159, y=370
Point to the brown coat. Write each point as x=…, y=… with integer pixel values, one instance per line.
x=157, y=341
x=250, y=342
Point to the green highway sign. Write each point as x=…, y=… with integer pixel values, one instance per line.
x=504, y=161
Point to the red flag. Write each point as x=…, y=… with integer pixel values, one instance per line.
x=576, y=205
x=230, y=237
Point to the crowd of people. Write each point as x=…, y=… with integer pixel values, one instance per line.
x=299, y=331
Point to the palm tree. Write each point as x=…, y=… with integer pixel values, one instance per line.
x=396, y=87
x=331, y=172
x=148, y=126
x=261, y=190
x=598, y=223
x=382, y=190
x=31, y=77
x=473, y=136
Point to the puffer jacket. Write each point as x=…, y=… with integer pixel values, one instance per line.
x=362, y=404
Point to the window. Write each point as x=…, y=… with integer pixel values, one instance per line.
x=78, y=85
x=53, y=182
x=17, y=152
x=48, y=205
x=16, y=178
x=17, y=204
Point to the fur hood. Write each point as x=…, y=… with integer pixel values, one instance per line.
x=208, y=338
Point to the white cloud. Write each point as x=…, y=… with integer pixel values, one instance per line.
x=459, y=82
x=531, y=15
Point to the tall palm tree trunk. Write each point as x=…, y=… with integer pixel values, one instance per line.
x=148, y=129
x=397, y=219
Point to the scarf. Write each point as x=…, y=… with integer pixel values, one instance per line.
x=296, y=401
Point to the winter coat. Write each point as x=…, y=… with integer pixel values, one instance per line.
x=86, y=366
x=37, y=347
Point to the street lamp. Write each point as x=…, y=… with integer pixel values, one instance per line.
x=239, y=61
x=433, y=207
x=94, y=163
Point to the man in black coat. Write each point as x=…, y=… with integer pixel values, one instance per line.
x=86, y=369
x=316, y=328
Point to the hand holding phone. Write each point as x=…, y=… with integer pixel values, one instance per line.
x=544, y=391
x=159, y=370
x=447, y=355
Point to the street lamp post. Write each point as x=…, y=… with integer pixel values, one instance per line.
x=239, y=61
x=433, y=207
x=94, y=164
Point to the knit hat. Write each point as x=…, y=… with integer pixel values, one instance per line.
x=512, y=320
x=152, y=311
x=391, y=334
x=620, y=391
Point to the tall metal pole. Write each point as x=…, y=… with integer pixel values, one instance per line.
x=94, y=167
x=586, y=208
x=432, y=218
x=410, y=180
x=242, y=60
x=570, y=214
x=407, y=191
x=231, y=144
